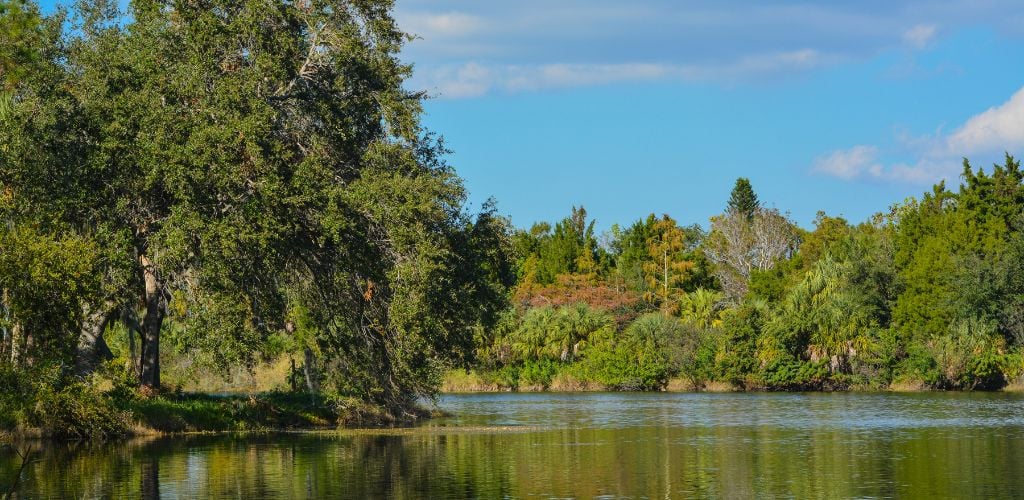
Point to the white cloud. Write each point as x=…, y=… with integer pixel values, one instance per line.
x=999, y=127
x=849, y=163
x=920, y=36
x=444, y=25
x=468, y=80
x=992, y=132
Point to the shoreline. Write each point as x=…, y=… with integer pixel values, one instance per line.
x=201, y=414
x=460, y=382
x=206, y=414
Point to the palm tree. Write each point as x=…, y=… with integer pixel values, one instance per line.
x=529, y=341
x=702, y=308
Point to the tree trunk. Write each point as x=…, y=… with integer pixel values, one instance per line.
x=309, y=368
x=5, y=332
x=130, y=320
x=156, y=308
x=15, y=343
x=92, y=348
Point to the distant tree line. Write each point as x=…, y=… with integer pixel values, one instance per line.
x=929, y=294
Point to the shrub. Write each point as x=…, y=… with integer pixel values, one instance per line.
x=637, y=360
x=17, y=396
x=538, y=372
x=969, y=356
x=78, y=410
x=506, y=377
x=790, y=374
x=919, y=364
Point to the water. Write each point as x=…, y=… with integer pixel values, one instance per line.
x=636, y=445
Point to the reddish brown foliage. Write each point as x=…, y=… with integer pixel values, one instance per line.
x=570, y=289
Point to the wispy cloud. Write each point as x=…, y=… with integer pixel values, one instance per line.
x=436, y=26
x=993, y=131
x=921, y=35
x=852, y=163
x=473, y=79
x=468, y=48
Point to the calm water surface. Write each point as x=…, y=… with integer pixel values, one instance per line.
x=585, y=446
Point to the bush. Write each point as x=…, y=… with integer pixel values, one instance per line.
x=621, y=368
x=636, y=361
x=696, y=362
x=17, y=395
x=538, y=372
x=918, y=365
x=506, y=377
x=78, y=410
x=969, y=356
x=795, y=375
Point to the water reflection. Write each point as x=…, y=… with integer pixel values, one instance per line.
x=648, y=445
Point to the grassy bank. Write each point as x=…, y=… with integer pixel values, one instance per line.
x=175, y=413
x=47, y=402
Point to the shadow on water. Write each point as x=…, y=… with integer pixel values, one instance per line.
x=734, y=446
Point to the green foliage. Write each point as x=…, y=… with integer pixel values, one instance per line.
x=538, y=372
x=560, y=334
x=16, y=398
x=276, y=163
x=78, y=410
x=570, y=247
x=736, y=343
x=274, y=410
x=743, y=200
x=968, y=357
x=45, y=279
x=44, y=397
x=702, y=308
x=793, y=375
x=636, y=359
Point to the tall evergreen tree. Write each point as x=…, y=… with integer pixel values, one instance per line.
x=743, y=199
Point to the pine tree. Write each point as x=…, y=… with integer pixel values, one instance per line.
x=743, y=199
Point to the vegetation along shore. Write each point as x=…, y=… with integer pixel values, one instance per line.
x=190, y=194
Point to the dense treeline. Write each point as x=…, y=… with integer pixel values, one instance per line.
x=929, y=294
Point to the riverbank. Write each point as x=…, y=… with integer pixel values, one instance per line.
x=461, y=381
x=191, y=413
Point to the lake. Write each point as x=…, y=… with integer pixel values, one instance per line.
x=584, y=445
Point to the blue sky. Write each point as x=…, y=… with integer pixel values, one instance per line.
x=629, y=108
x=636, y=107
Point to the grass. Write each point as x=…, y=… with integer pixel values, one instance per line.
x=206, y=413
x=180, y=413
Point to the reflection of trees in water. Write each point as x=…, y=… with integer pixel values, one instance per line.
x=150, y=473
x=655, y=461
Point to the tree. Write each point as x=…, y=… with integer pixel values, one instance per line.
x=22, y=37
x=45, y=279
x=234, y=158
x=738, y=245
x=743, y=199
x=702, y=308
x=570, y=248
x=948, y=247
x=667, y=264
